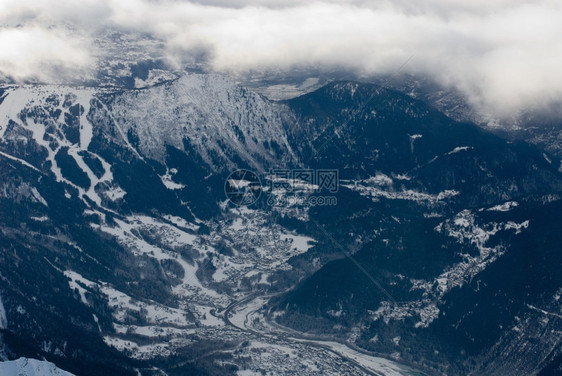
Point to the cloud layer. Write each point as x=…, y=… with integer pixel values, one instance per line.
x=504, y=55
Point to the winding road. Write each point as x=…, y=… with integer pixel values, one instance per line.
x=368, y=363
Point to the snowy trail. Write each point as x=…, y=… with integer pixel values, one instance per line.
x=27, y=164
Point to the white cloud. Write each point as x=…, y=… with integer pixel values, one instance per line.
x=40, y=54
x=505, y=54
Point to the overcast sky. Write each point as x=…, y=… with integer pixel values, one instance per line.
x=504, y=54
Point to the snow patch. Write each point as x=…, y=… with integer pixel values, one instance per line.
x=74, y=285
x=30, y=367
x=38, y=196
x=298, y=242
x=27, y=164
x=178, y=221
x=126, y=233
x=115, y=193
x=506, y=206
x=3, y=318
x=168, y=181
x=40, y=219
x=237, y=224
x=380, y=186
x=413, y=139
x=122, y=303
x=137, y=351
x=459, y=149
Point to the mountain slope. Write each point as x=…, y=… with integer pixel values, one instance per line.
x=111, y=204
x=121, y=253
x=450, y=209
x=30, y=367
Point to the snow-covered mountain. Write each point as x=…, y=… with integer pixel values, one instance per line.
x=30, y=367
x=121, y=253
x=219, y=119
